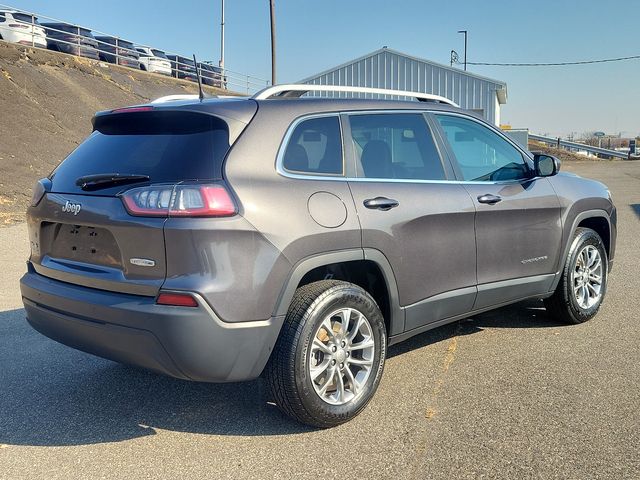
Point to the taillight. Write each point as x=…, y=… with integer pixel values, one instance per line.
x=176, y=299
x=188, y=200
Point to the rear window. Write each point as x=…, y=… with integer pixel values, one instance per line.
x=169, y=147
x=159, y=53
x=69, y=28
x=23, y=17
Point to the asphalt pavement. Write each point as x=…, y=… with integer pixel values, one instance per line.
x=506, y=394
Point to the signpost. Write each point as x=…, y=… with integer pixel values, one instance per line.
x=599, y=136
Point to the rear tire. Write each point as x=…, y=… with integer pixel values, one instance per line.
x=583, y=285
x=326, y=376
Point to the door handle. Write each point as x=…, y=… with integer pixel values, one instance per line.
x=489, y=199
x=381, y=203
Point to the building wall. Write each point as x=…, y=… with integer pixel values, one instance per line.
x=389, y=69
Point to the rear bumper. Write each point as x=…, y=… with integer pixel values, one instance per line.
x=27, y=39
x=128, y=62
x=183, y=342
x=79, y=50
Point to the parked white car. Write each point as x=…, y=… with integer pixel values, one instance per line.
x=153, y=60
x=18, y=27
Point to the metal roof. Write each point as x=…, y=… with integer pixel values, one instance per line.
x=501, y=91
x=411, y=57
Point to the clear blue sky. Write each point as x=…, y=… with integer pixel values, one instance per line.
x=315, y=35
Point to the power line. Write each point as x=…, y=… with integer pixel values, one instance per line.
x=584, y=62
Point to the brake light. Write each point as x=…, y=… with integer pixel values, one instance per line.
x=188, y=200
x=177, y=300
x=132, y=109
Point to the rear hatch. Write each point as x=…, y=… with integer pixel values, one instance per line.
x=80, y=230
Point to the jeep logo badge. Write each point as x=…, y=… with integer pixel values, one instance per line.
x=71, y=207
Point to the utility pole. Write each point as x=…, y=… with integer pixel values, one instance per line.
x=465, y=47
x=273, y=42
x=221, y=63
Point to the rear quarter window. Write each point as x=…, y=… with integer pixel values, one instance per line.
x=315, y=147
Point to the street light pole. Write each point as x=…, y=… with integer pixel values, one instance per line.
x=273, y=41
x=465, y=47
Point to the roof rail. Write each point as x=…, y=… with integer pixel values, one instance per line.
x=295, y=90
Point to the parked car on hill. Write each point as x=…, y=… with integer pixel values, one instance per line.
x=211, y=75
x=22, y=28
x=302, y=238
x=72, y=39
x=183, y=67
x=153, y=60
x=120, y=52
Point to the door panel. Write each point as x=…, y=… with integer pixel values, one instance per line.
x=423, y=224
x=520, y=235
x=429, y=241
x=517, y=224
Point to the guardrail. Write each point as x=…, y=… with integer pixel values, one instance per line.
x=578, y=146
x=85, y=44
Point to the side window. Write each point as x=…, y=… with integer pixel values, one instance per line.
x=315, y=147
x=1, y=17
x=397, y=145
x=482, y=154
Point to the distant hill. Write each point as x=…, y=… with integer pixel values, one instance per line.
x=47, y=100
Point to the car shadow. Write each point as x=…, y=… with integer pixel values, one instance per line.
x=636, y=208
x=53, y=395
x=525, y=314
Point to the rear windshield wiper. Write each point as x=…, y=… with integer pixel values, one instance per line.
x=105, y=180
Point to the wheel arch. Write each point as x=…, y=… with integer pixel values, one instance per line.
x=597, y=220
x=368, y=268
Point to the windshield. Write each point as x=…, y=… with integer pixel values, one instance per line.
x=168, y=147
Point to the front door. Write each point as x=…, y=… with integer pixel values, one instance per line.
x=421, y=222
x=518, y=227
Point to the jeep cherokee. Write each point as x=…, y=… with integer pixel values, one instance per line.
x=218, y=240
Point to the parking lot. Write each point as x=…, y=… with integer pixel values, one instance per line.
x=507, y=394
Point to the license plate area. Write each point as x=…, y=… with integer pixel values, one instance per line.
x=82, y=243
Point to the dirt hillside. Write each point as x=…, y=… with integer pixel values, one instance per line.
x=47, y=100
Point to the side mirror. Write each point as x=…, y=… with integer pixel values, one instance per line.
x=545, y=165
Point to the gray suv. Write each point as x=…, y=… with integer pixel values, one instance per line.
x=298, y=238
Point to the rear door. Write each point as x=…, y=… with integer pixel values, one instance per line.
x=85, y=235
x=409, y=211
x=518, y=227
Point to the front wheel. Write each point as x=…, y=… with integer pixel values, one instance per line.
x=330, y=354
x=584, y=280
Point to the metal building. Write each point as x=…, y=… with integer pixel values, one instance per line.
x=387, y=68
